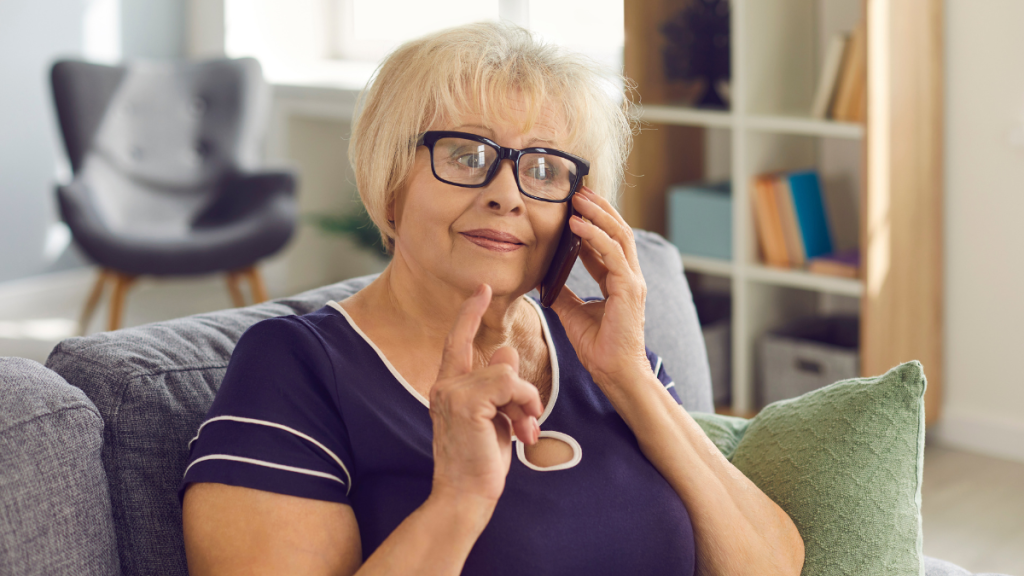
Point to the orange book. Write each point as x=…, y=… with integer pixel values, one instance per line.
x=769, y=226
x=790, y=226
x=850, y=104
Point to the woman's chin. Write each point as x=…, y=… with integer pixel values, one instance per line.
x=511, y=284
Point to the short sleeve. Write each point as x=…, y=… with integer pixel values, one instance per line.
x=658, y=366
x=274, y=424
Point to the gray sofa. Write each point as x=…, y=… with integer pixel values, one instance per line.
x=93, y=446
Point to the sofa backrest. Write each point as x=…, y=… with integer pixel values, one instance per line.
x=54, y=508
x=153, y=385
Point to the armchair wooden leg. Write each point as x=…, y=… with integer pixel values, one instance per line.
x=92, y=301
x=236, y=293
x=259, y=291
x=122, y=282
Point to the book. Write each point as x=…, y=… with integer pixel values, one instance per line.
x=827, y=81
x=844, y=264
x=858, y=111
x=768, y=224
x=805, y=188
x=790, y=228
x=850, y=103
x=789, y=214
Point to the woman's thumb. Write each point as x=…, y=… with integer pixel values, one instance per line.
x=506, y=355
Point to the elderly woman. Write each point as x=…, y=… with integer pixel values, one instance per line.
x=440, y=421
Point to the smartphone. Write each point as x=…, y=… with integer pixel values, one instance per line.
x=565, y=257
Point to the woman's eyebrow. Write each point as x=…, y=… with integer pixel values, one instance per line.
x=477, y=126
x=552, y=143
x=529, y=144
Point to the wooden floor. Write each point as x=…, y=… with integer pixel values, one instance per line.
x=972, y=508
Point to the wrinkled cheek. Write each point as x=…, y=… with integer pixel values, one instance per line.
x=538, y=265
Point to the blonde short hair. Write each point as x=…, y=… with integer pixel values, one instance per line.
x=483, y=67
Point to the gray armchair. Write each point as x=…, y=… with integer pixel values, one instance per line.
x=161, y=154
x=61, y=511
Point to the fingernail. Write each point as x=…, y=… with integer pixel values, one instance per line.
x=479, y=290
x=536, y=430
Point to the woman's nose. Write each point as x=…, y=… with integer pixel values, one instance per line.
x=502, y=194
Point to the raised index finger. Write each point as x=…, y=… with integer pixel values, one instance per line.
x=457, y=358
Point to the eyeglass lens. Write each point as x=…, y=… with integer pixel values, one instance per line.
x=462, y=161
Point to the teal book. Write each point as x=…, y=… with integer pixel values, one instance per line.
x=810, y=213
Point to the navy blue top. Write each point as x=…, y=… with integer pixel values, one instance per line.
x=310, y=407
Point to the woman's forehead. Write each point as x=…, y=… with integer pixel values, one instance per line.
x=536, y=137
x=544, y=127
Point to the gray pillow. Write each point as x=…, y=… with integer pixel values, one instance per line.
x=54, y=508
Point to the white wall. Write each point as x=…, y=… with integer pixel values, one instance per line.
x=983, y=406
x=34, y=33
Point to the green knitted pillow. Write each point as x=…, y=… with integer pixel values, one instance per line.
x=845, y=463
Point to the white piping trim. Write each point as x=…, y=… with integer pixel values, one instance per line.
x=383, y=358
x=657, y=366
x=670, y=385
x=577, y=452
x=281, y=427
x=268, y=465
x=553, y=357
x=552, y=353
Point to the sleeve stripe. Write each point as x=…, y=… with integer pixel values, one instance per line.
x=657, y=367
x=268, y=465
x=348, y=485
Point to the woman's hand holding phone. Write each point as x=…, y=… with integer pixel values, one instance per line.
x=608, y=335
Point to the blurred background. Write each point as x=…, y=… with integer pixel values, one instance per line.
x=842, y=179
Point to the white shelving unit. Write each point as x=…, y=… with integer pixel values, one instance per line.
x=801, y=125
x=776, y=49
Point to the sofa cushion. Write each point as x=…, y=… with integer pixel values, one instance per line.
x=845, y=463
x=54, y=508
x=153, y=385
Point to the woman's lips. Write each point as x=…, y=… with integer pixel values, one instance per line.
x=491, y=243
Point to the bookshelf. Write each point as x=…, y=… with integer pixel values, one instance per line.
x=876, y=176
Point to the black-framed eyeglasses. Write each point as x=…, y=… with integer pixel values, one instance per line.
x=471, y=161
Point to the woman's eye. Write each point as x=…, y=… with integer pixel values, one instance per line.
x=541, y=171
x=472, y=160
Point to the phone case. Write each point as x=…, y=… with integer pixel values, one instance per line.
x=565, y=257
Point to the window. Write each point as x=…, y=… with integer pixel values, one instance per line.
x=320, y=39
x=368, y=29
